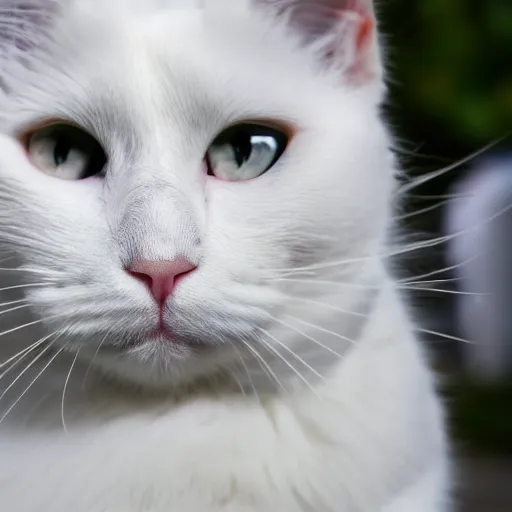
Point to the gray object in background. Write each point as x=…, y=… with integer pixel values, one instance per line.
x=480, y=220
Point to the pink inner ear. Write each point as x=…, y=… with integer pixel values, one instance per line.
x=365, y=33
x=364, y=27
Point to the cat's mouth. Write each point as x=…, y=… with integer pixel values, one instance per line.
x=165, y=335
x=160, y=336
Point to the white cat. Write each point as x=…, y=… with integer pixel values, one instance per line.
x=200, y=194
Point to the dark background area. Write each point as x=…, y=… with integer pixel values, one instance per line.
x=450, y=77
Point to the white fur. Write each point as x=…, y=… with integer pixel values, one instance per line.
x=314, y=395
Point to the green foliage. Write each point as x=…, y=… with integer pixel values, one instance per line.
x=451, y=63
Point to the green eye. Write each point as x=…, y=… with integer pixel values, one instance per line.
x=245, y=151
x=66, y=152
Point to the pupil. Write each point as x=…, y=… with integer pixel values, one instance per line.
x=61, y=151
x=242, y=146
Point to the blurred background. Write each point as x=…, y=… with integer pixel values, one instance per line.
x=450, y=67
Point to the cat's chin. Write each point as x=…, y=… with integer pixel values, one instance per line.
x=161, y=360
x=172, y=340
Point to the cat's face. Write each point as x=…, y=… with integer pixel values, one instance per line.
x=176, y=165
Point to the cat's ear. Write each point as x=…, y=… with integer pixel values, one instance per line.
x=342, y=31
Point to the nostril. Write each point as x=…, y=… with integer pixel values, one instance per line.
x=145, y=278
x=161, y=276
x=183, y=271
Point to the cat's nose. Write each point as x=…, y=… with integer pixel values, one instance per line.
x=161, y=276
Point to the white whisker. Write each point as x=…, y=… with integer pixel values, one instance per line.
x=322, y=329
x=251, y=382
x=290, y=351
x=65, y=388
x=21, y=355
x=273, y=350
x=327, y=306
x=21, y=286
x=19, y=327
x=262, y=361
x=328, y=349
x=422, y=211
x=32, y=383
x=24, y=306
x=34, y=361
x=24, y=269
x=95, y=355
x=436, y=174
x=435, y=281
x=438, y=290
x=326, y=283
x=437, y=272
x=442, y=335
x=13, y=302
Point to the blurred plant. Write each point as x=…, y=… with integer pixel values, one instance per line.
x=451, y=69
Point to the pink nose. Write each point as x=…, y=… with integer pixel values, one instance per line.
x=160, y=276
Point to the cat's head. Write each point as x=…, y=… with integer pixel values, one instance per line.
x=168, y=168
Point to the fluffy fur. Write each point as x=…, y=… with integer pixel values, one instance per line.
x=308, y=391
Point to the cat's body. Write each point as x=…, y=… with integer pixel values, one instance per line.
x=368, y=440
x=293, y=380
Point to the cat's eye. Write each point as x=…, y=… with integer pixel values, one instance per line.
x=245, y=151
x=66, y=152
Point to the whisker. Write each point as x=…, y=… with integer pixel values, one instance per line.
x=422, y=211
x=262, y=361
x=290, y=351
x=416, y=246
x=326, y=306
x=24, y=269
x=13, y=302
x=272, y=349
x=443, y=197
x=5, y=260
x=437, y=272
x=440, y=172
x=95, y=355
x=14, y=309
x=239, y=384
x=19, y=327
x=251, y=382
x=322, y=329
x=442, y=335
x=32, y=383
x=435, y=281
x=34, y=361
x=328, y=349
x=320, y=282
x=438, y=290
x=22, y=355
x=20, y=286
x=65, y=388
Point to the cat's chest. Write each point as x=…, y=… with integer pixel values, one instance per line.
x=203, y=459
x=225, y=455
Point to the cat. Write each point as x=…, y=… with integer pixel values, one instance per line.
x=200, y=195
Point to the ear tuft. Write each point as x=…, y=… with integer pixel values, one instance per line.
x=342, y=32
